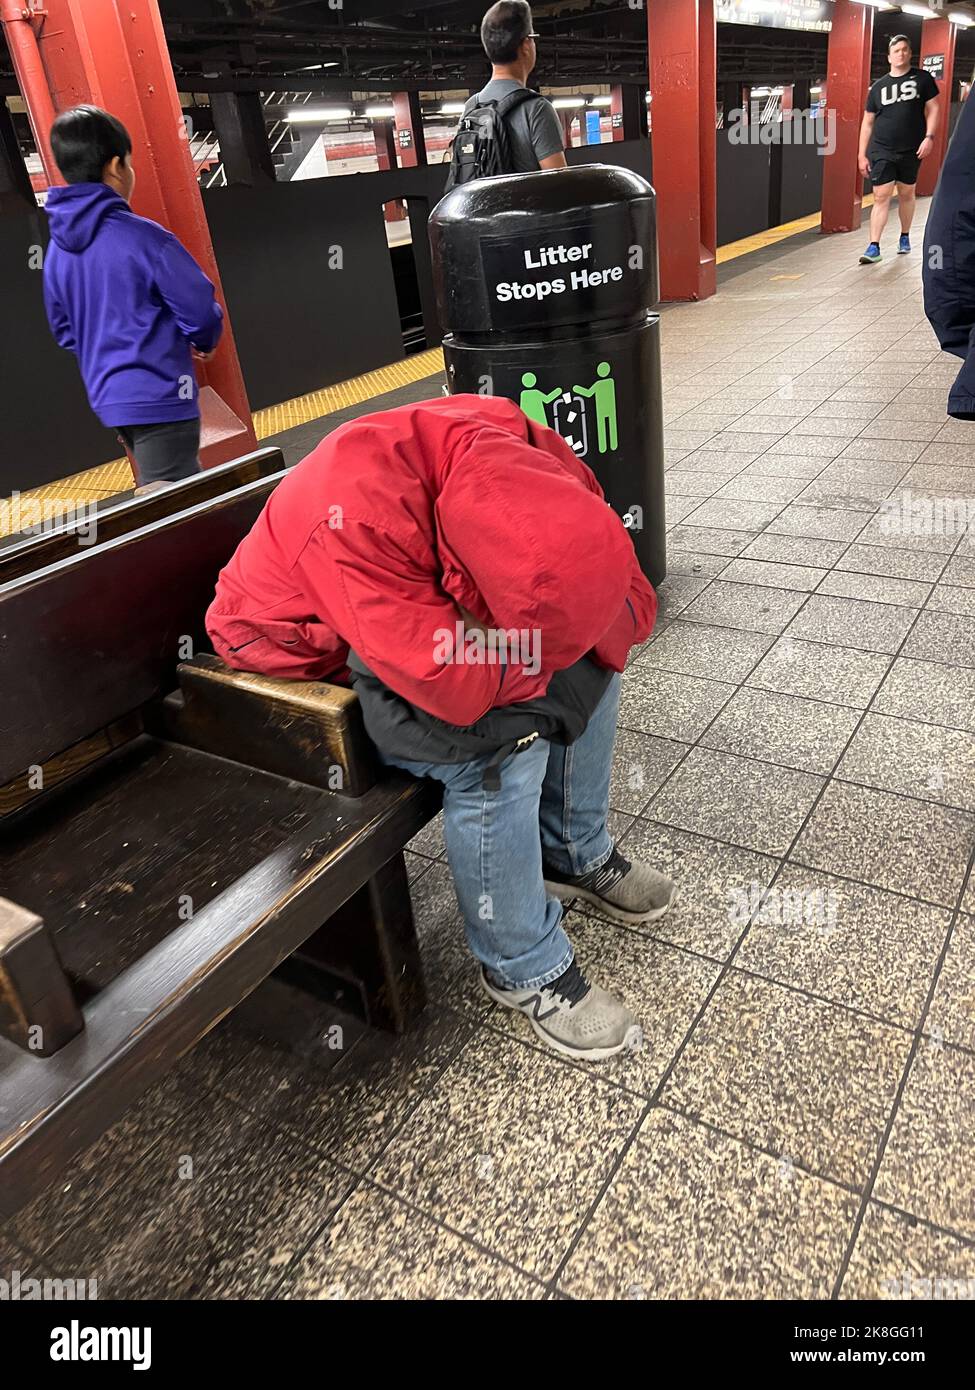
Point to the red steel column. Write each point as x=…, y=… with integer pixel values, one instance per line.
x=616, y=118
x=409, y=129
x=683, y=79
x=113, y=53
x=848, y=80
x=938, y=37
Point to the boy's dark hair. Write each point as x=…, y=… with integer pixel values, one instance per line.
x=897, y=38
x=84, y=139
x=504, y=29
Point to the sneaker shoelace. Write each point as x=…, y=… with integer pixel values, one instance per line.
x=572, y=985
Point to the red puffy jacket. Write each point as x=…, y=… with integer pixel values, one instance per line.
x=376, y=537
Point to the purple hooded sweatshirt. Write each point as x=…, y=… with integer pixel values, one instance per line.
x=124, y=296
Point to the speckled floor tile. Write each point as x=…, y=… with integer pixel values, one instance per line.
x=808, y=735
x=952, y=1014
x=803, y=1079
x=930, y=691
x=874, y=627
x=794, y=550
x=694, y=563
x=664, y=986
x=854, y=945
x=785, y=466
x=818, y=523
x=713, y=881
x=510, y=1148
x=415, y=865
x=879, y=532
x=948, y=598
x=928, y=1166
x=942, y=637
x=880, y=560
x=693, y=483
x=837, y=674
x=899, y=1258
x=916, y=759
x=752, y=804
x=350, y=1110
x=379, y=1248
x=677, y=508
x=675, y=593
x=821, y=446
x=216, y=1209
x=894, y=450
x=761, y=488
x=802, y=578
x=711, y=540
x=850, y=493
x=429, y=841
x=693, y=1214
x=892, y=842
x=960, y=570
x=750, y=607
x=725, y=512
x=669, y=704
x=107, y=1163
x=716, y=653
x=641, y=763
x=874, y=588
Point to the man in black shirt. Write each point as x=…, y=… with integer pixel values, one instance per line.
x=897, y=132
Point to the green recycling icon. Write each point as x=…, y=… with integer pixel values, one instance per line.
x=570, y=413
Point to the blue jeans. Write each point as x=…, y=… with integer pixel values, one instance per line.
x=552, y=805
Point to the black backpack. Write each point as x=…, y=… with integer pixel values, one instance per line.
x=481, y=147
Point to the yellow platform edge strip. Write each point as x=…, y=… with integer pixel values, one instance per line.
x=110, y=478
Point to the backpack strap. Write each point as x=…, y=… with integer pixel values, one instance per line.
x=515, y=99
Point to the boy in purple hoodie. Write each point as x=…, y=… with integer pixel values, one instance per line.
x=126, y=298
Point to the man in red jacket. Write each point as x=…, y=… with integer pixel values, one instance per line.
x=462, y=563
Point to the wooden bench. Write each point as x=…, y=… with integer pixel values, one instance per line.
x=115, y=516
x=171, y=833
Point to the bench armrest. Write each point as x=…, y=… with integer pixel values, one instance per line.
x=38, y=1011
x=307, y=731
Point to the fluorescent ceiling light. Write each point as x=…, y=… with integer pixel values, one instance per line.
x=601, y=101
x=963, y=19
x=921, y=10
x=305, y=116
x=452, y=108
x=874, y=4
x=567, y=103
x=380, y=113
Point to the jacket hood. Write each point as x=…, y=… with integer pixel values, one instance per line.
x=542, y=551
x=77, y=211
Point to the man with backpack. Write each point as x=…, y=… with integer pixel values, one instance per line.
x=507, y=128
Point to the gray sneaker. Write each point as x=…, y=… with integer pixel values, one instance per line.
x=574, y=1017
x=627, y=892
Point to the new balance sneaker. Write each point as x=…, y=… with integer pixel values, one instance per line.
x=871, y=254
x=904, y=245
x=627, y=892
x=572, y=1016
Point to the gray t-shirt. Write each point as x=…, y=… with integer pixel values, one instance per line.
x=534, y=131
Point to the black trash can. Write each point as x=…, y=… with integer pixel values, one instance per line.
x=545, y=286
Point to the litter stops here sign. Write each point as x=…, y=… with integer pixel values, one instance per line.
x=582, y=272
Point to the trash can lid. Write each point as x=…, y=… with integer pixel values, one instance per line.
x=547, y=191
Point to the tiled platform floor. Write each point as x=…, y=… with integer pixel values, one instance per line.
x=801, y=1122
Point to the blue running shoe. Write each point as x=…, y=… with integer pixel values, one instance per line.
x=871, y=254
x=904, y=245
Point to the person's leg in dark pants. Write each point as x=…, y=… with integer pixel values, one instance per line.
x=163, y=453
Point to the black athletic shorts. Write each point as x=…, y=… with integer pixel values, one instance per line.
x=887, y=167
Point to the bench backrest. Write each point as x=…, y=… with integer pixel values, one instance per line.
x=95, y=636
x=117, y=516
